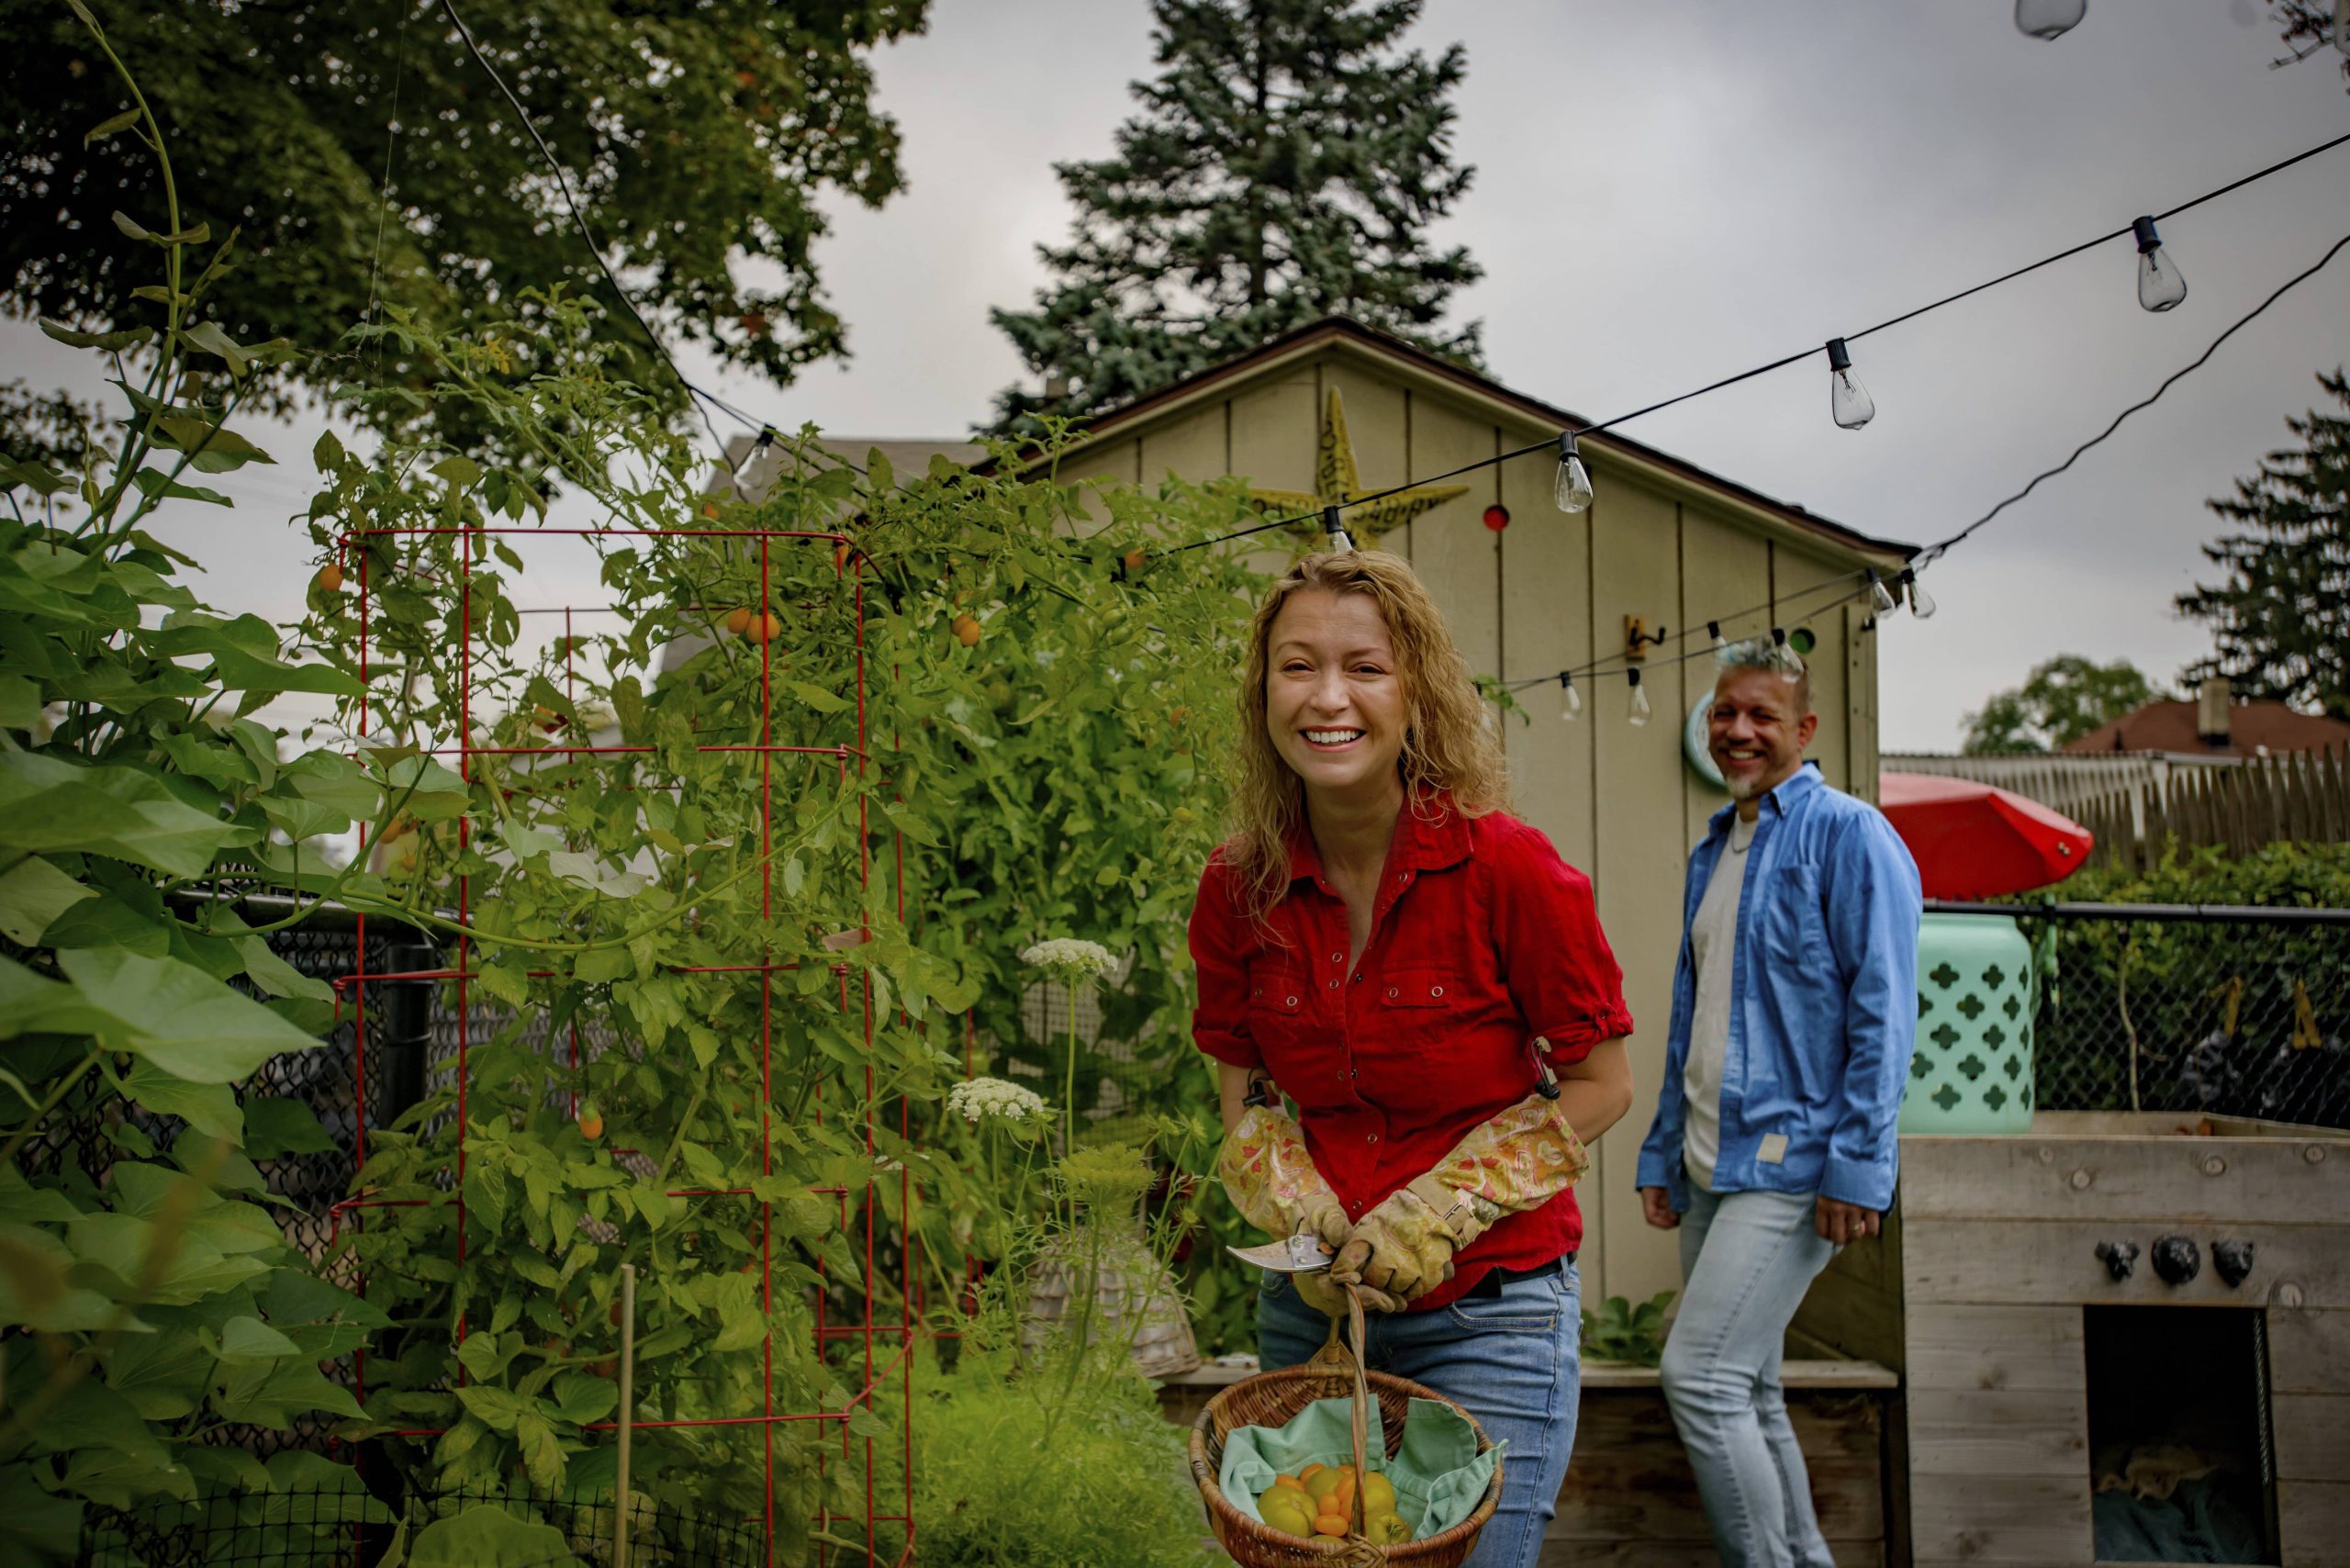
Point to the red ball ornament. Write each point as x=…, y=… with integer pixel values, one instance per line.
x=1497, y=517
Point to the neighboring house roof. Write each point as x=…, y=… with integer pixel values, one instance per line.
x=2255, y=729
x=1345, y=330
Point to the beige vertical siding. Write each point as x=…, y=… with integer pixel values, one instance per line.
x=1552, y=592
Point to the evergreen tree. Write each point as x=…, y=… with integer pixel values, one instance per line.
x=1286, y=166
x=2281, y=616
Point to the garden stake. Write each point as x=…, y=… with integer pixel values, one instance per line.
x=627, y=1415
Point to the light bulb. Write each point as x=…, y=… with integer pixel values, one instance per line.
x=1921, y=603
x=1848, y=401
x=1640, y=710
x=1572, y=491
x=1571, y=704
x=2160, y=286
x=1336, y=531
x=1880, y=597
x=759, y=471
x=2049, y=18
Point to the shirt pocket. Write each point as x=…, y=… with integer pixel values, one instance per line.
x=1793, y=928
x=1275, y=987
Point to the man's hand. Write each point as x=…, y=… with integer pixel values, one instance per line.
x=1656, y=1207
x=1840, y=1223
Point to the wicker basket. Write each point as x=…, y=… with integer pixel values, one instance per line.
x=1272, y=1399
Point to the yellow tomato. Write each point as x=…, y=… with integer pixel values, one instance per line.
x=1386, y=1529
x=1378, y=1494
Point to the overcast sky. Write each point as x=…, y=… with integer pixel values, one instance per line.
x=1666, y=194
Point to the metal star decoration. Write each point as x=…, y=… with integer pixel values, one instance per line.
x=1337, y=483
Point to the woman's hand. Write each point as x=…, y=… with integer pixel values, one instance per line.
x=1401, y=1248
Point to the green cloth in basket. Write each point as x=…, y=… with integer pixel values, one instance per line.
x=1438, y=1474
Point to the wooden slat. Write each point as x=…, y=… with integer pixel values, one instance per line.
x=2170, y=1181
x=2014, y=1521
x=1794, y=1374
x=2308, y=1352
x=1998, y=1432
x=1639, y=853
x=1456, y=556
x=1682, y=1554
x=2313, y=1432
x=2019, y=1347
x=1274, y=427
x=1722, y=567
x=1854, y=1317
x=1374, y=407
x=1629, y=1479
x=2031, y=1263
x=2313, y=1522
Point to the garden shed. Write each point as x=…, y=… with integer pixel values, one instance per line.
x=1337, y=410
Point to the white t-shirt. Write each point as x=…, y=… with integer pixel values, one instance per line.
x=1713, y=937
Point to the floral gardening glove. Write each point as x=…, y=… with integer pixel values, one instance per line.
x=1271, y=1179
x=1514, y=1161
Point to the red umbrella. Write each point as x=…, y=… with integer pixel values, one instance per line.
x=1973, y=841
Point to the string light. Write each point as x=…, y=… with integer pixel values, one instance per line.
x=1848, y=401
x=1570, y=700
x=2160, y=286
x=1639, y=711
x=1921, y=603
x=2049, y=18
x=1880, y=597
x=1572, y=487
x=1335, y=526
x=759, y=471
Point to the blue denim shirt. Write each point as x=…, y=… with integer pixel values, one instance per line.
x=1823, y=1003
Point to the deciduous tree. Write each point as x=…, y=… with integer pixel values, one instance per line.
x=2059, y=702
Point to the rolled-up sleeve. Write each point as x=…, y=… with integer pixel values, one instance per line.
x=1561, y=972
x=1220, y=1021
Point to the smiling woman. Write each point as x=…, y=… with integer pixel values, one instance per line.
x=1385, y=944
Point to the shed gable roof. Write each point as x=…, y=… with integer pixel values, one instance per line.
x=1417, y=364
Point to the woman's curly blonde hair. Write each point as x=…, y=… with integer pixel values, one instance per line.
x=1448, y=745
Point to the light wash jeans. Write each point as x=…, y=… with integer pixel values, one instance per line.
x=1513, y=1360
x=1747, y=1258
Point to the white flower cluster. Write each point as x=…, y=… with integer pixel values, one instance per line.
x=975, y=1099
x=1070, y=959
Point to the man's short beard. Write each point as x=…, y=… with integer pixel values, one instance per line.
x=1744, y=788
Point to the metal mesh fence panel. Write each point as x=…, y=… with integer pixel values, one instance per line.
x=331, y=1525
x=2195, y=1014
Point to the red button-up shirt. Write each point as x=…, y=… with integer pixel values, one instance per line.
x=1482, y=940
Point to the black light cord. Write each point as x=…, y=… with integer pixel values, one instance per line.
x=1551, y=444
x=1617, y=664
x=579, y=219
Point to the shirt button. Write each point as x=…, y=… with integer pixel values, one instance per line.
x=1436, y=991
x=1334, y=985
x=1337, y=957
x=1292, y=1003
x=1371, y=1138
x=1391, y=993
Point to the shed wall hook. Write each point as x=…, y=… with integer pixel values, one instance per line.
x=2177, y=1258
x=2232, y=1260
x=2120, y=1257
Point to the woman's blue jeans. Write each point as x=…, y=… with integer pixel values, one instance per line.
x=1747, y=1258
x=1511, y=1361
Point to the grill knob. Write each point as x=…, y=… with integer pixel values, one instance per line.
x=2177, y=1258
x=2232, y=1260
x=2120, y=1257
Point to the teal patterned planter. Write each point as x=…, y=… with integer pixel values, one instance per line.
x=1972, y=1069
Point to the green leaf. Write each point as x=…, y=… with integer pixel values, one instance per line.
x=212, y=449
x=19, y=703
x=274, y=976
x=276, y=1127
x=486, y=1536
x=132, y=227
x=293, y=1298
x=207, y=1107
x=47, y=805
x=582, y=1398
x=439, y=793
x=32, y=895
x=34, y=1526
x=108, y=923
x=208, y=336
x=111, y=342
x=109, y=125
x=496, y=1408
x=176, y=1016
x=599, y=965
x=155, y=484
x=253, y=1339
x=462, y=473
x=162, y=1375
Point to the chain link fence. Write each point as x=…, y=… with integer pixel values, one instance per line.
x=2197, y=1011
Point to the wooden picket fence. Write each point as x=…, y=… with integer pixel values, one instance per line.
x=2299, y=797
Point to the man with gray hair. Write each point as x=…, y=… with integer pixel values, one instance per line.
x=1794, y=1006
